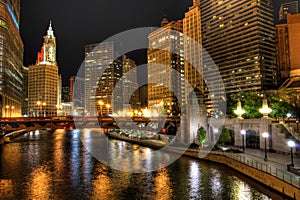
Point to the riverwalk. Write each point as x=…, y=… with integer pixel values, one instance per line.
x=273, y=173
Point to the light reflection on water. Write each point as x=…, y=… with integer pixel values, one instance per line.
x=56, y=165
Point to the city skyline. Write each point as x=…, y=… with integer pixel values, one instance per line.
x=77, y=27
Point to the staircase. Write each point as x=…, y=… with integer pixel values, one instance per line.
x=289, y=131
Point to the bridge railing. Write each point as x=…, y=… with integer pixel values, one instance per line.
x=286, y=176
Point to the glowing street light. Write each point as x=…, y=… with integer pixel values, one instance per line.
x=101, y=103
x=239, y=111
x=108, y=107
x=7, y=107
x=44, y=110
x=265, y=110
x=265, y=135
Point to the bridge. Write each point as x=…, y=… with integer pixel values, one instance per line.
x=164, y=124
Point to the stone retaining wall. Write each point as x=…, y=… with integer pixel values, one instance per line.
x=260, y=176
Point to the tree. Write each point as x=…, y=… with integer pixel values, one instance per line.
x=251, y=103
x=225, y=136
x=292, y=98
x=280, y=107
x=201, y=135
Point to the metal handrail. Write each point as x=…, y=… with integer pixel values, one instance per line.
x=281, y=174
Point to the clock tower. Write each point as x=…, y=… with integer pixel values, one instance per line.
x=47, y=55
x=44, y=96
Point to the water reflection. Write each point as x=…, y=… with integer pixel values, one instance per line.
x=57, y=166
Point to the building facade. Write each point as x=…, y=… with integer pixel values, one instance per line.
x=239, y=36
x=288, y=48
x=77, y=95
x=166, y=49
x=288, y=8
x=25, y=91
x=97, y=59
x=11, y=59
x=129, y=82
x=43, y=80
x=193, y=69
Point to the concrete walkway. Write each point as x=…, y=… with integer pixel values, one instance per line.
x=279, y=161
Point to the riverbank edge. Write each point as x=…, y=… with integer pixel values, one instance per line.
x=6, y=138
x=262, y=177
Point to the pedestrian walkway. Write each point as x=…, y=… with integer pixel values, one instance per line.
x=280, y=161
x=276, y=164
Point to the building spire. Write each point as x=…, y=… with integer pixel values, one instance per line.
x=50, y=30
x=196, y=2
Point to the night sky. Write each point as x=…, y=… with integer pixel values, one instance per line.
x=77, y=23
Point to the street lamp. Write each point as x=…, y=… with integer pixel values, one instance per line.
x=101, y=103
x=239, y=111
x=288, y=118
x=11, y=110
x=44, y=104
x=39, y=103
x=291, y=144
x=265, y=110
x=243, y=132
x=108, y=107
x=7, y=107
x=265, y=135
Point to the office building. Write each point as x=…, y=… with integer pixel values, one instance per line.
x=192, y=49
x=288, y=48
x=288, y=8
x=129, y=78
x=240, y=38
x=11, y=60
x=43, y=80
x=108, y=92
x=25, y=91
x=97, y=59
x=165, y=88
x=77, y=95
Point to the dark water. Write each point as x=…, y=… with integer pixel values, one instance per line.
x=44, y=165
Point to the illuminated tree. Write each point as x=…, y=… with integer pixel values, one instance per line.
x=201, y=135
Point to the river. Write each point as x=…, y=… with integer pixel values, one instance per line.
x=55, y=165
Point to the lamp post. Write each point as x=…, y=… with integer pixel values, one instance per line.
x=288, y=118
x=11, y=110
x=291, y=144
x=243, y=132
x=265, y=135
x=239, y=111
x=101, y=103
x=108, y=107
x=7, y=107
x=44, y=104
x=265, y=110
x=39, y=103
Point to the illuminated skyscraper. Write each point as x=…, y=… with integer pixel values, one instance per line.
x=162, y=45
x=77, y=95
x=43, y=80
x=97, y=59
x=102, y=73
x=239, y=36
x=288, y=51
x=129, y=82
x=288, y=8
x=11, y=59
x=192, y=51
